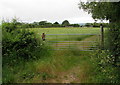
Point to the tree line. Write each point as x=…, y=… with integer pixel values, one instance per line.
x=96, y=24
x=44, y=24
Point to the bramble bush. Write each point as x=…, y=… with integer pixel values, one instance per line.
x=103, y=70
x=20, y=45
x=113, y=44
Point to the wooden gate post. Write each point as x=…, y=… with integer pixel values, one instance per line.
x=102, y=36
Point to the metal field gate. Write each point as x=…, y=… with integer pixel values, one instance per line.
x=82, y=42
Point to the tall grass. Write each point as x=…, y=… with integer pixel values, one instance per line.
x=56, y=67
x=19, y=47
x=70, y=65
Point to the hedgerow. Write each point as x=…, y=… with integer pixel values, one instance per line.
x=20, y=44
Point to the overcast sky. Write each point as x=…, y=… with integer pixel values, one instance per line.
x=39, y=10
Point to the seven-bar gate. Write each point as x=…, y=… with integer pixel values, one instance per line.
x=82, y=42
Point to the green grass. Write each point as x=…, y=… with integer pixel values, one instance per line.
x=58, y=67
x=54, y=67
x=66, y=30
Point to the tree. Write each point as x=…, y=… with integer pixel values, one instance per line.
x=42, y=22
x=48, y=24
x=45, y=24
x=102, y=10
x=75, y=25
x=65, y=23
x=107, y=11
x=56, y=24
x=88, y=24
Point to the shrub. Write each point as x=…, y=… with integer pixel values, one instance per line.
x=113, y=43
x=9, y=27
x=103, y=70
x=21, y=44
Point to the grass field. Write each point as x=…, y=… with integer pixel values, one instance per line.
x=64, y=66
x=66, y=31
x=68, y=34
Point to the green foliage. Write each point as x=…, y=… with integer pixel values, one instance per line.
x=113, y=42
x=103, y=70
x=9, y=27
x=44, y=24
x=74, y=25
x=21, y=45
x=65, y=23
x=108, y=11
x=49, y=68
x=56, y=24
x=102, y=10
x=96, y=24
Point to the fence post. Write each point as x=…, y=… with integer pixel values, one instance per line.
x=102, y=37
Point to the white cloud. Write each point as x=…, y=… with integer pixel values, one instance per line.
x=50, y=10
